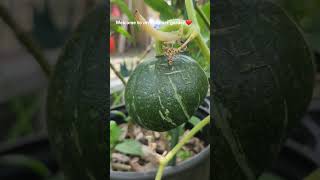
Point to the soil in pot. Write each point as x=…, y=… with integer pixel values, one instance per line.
x=154, y=144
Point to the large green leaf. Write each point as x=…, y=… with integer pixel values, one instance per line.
x=255, y=71
x=78, y=99
x=166, y=11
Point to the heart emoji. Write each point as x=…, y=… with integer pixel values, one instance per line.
x=188, y=21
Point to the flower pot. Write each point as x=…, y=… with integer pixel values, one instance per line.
x=196, y=167
x=35, y=147
x=301, y=153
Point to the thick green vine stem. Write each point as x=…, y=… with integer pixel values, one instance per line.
x=165, y=160
x=187, y=32
x=199, y=39
x=176, y=31
x=26, y=41
x=192, y=14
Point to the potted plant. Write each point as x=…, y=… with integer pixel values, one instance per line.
x=166, y=112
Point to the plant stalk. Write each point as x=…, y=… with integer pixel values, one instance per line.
x=158, y=35
x=26, y=41
x=190, y=30
x=118, y=74
x=165, y=160
x=174, y=141
x=199, y=39
x=192, y=14
x=203, y=47
x=203, y=16
x=146, y=52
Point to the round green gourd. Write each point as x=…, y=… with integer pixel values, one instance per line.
x=160, y=97
x=262, y=80
x=78, y=100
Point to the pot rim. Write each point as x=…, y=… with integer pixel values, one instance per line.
x=169, y=170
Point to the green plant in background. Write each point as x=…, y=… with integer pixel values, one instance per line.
x=34, y=165
x=116, y=99
x=116, y=28
x=268, y=176
x=24, y=108
x=315, y=175
x=22, y=161
x=124, y=69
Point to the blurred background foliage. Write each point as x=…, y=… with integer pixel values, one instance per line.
x=22, y=85
x=24, y=148
x=307, y=14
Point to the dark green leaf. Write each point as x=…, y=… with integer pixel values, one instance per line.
x=131, y=147
x=81, y=124
x=166, y=11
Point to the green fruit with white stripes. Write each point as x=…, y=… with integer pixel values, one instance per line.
x=160, y=96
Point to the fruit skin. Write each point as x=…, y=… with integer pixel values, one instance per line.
x=160, y=97
x=262, y=80
x=78, y=98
